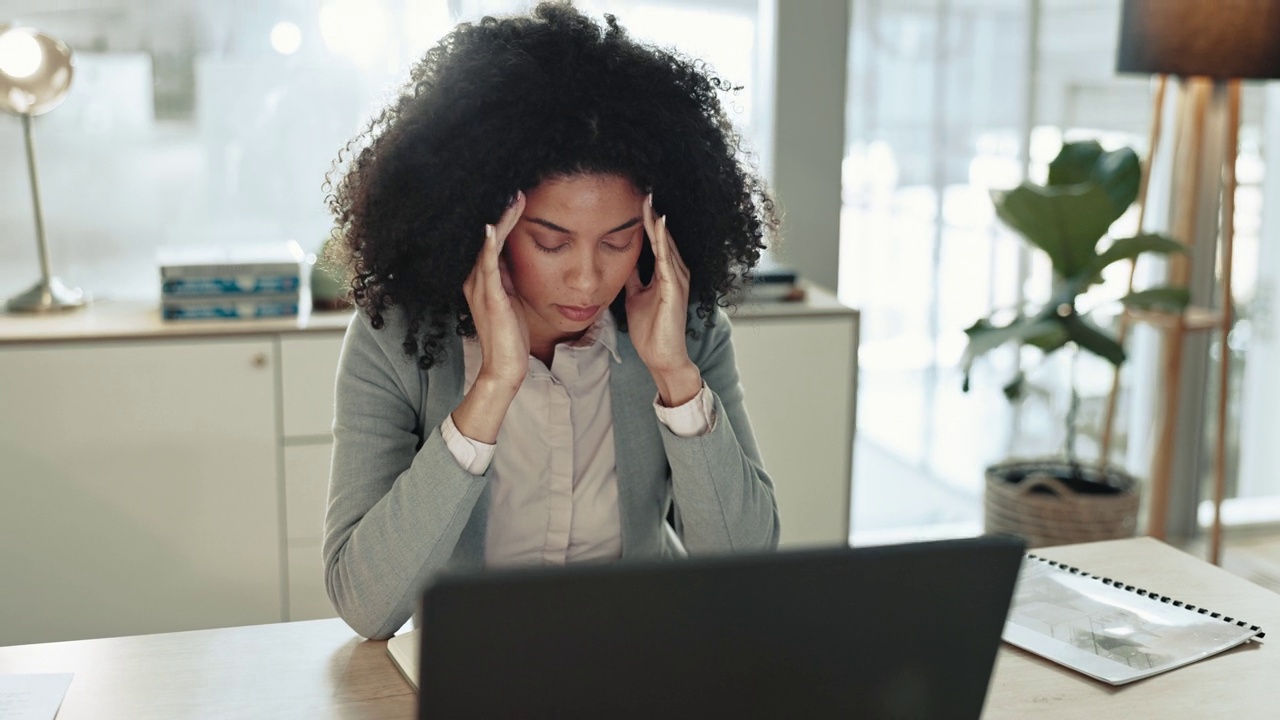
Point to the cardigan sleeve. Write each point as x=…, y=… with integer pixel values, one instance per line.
x=395, y=511
x=724, y=500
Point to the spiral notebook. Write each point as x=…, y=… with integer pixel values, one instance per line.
x=1111, y=631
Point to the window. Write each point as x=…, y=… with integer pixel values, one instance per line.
x=211, y=122
x=949, y=99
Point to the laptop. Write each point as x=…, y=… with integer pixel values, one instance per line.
x=894, y=631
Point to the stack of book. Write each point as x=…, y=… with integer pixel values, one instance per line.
x=770, y=282
x=250, y=281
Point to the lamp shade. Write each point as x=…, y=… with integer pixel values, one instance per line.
x=1215, y=38
x=35, y=71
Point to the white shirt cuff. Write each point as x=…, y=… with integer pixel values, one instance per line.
x=694, y=418
x=474, y=456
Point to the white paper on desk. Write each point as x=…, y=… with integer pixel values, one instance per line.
x=32, y=696
x=404, y=649
x=1106, y=632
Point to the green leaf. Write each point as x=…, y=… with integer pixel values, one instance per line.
x=985, y=337
x=1090, y=337
x=1131, y=247
x=1066, y=222
x=1053, y=336
x=1074, y=163
x=1168, y=297
x=1119, y=173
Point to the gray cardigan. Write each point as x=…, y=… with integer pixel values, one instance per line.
x=401, y=507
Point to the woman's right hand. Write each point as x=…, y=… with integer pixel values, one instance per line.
x=497, y=311
x=499, y=316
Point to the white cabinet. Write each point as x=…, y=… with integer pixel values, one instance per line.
x=306, y=473
x=309, y=366
x=138, y=488
x=799, y=378
x=158, y=477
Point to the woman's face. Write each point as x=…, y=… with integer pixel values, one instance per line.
x=572, y=250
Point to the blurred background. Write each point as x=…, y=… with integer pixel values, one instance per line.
x=214, y=122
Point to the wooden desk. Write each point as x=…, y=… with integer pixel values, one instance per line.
x=309, y=669
x=321, y=669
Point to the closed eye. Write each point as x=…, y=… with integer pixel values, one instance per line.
x=548, y=244
x=619, y=245
x=553, y=249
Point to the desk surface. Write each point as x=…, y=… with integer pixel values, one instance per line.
x=321, y=669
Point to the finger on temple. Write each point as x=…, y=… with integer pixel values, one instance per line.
x=655, y=242
x=510, y=217
x=668, y=246
x=489, y=253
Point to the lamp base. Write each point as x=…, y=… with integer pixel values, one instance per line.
x=48, y=297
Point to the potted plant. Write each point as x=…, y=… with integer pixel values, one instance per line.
x=1059, y=500
x=330, y=288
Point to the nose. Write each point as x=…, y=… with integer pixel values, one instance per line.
x=584, y=273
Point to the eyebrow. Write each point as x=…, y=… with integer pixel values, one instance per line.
x=552, y=226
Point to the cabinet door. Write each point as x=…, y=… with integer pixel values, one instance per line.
x=308, y=368
x=800, y=384
x=140, y=488
x=306, y=478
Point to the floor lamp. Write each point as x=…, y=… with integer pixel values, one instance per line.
x=1209, y=47
x=35, y=75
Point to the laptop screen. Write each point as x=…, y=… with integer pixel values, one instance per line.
x=899, y=631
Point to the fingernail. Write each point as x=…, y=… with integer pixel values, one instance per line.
x=650, y=199
x=488, y=232
x=664, y=220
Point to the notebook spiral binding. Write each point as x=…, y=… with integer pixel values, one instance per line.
x=1154, y=596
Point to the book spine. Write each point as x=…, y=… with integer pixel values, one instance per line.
x=230, y=285
x=171, y=272
x=230, y=310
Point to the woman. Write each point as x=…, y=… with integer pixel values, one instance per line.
x=539, y=232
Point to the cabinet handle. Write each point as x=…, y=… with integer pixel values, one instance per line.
x=259, y=360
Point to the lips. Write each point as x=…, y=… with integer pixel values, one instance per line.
x=578, y=313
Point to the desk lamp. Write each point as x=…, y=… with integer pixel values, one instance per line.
x=1209, y=47
x=35, y=74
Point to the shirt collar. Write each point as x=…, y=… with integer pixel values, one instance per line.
x=604, y=331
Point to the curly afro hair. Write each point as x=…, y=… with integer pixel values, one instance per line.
x=503, y=104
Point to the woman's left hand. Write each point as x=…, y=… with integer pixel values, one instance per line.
x=657, y=313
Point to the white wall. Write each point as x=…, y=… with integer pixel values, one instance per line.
x=811, y=41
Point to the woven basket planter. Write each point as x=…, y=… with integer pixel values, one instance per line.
x=1041, y=501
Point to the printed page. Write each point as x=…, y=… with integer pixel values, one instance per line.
x=1108, y=633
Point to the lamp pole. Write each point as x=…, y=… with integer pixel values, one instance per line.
x=49, y=294
x=45, y=272
x=35, y=74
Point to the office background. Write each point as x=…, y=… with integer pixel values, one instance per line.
x=882, y=123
